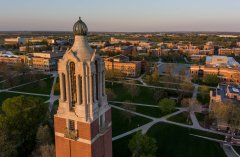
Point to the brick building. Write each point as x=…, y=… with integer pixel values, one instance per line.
x=226, y=68
x=122, y=64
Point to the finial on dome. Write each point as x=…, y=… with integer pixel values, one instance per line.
x=80, y=28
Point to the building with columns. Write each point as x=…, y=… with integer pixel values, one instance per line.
x=83, y=126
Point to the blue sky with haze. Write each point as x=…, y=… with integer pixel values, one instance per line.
x=121, y=15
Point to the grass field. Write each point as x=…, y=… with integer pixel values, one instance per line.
x=175, y=141
x=120, y=147
x=21, y=80
x=149, y=111
x=181, y=118
x=40, y=87
x=237, y=149
x=145, y=94
x=200, y=118
x=121, y=125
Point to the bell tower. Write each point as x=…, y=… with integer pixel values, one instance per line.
x=83, y=125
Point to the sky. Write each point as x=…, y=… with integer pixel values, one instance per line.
x=121, y=15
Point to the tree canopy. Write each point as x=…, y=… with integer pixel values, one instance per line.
x=167, y=105
x=142, y=146
x=21, y=117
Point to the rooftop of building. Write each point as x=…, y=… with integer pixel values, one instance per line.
x=222, y=61
x=224, y=89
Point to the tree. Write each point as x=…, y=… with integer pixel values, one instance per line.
x=142, y=146
x=186, y=87
x=148, y=79
x=204, y=94
x=129, y=107
x=155, y=74
x=227, y=113
x=211, y=79
x=7, y=148
x=182, y=74
x=43, y=135
x=134, y=52
x=189, y=104
x=159, y=94
x=167, y=105
x=22, y=68
x=169, y=71
x=22, y=115
x=110, y=94
x=133, y=90
x=45, y=151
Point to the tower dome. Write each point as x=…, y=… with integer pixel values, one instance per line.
x=80, y=28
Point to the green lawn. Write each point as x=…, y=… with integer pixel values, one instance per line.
x=149, y=111
x=145, y=95
x=203, y=99
x=200, y=118
x=175, y=141
x=5, y=95
x=181, y=118
x=120, y=147
x=21, y=80
x=40, y=87
x=237, y=149
x=120, y=125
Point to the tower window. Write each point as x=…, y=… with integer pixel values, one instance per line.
x=64, y=87
x=96, y=66
x=93, y=94
x=80, y=88
x=71, y=125
x=73, y=84
x=103, y=84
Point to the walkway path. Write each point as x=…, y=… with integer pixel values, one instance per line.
x=195, y=108
x=150, y=86
x=53, y=98
x=147, y=126
x=26, y=93
x=137, y=104
x=228, y=149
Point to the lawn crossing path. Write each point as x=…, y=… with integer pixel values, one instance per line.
x=137, y=104
x=53, y=97
x=25, y=93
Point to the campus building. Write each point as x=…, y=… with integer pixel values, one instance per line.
x=42, y=61
x=226, y=68
x=14, y=41
x=83, y=125
x=122, y=64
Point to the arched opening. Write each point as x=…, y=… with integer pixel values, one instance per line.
x=64, y=97
x=80, y=89
x=103, y=83
x=97, y=77
x=93, y=87
x=73, y=84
